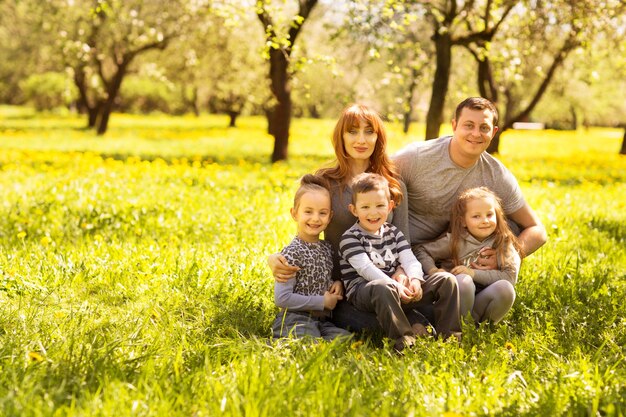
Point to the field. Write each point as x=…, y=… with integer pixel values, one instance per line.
x=133, y=281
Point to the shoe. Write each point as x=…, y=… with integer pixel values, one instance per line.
x=420, y=330
x=420, y=324
x=403, y=343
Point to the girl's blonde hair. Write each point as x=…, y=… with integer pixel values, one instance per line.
x=504, y=236
x=379, y=161
x=309, y=182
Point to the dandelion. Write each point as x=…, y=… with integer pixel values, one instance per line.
x=356, y=345
x=155, y=315
x=46, y=240
x=509, y=346
x=21, y=235
x=35, y=357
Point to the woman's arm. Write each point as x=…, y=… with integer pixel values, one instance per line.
x=281, y=270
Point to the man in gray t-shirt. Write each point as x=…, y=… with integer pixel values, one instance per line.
x=437, y=171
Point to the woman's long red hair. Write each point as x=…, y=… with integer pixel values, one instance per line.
x=379, y=161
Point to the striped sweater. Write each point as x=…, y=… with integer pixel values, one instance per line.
x=367, y=257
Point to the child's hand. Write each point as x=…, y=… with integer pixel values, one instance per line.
x=415, y=285
x=435, y=270
x=401, y=279
x=281, y=269
x=486, y=259
x=462, y=269
x=400, y=276
x=405, y=293
x=336, y=288
x=330, y=300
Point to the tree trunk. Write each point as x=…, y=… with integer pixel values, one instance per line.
x=511, y=118
x=574, y=124
x=488, y=90
x=406, y=124
x=623, y=150
x=92, y=108
x=103, y=122
x=434, y=118
x=113, y=88
x=495, y=143
x=486, y=83
x=233, y=118
x=92, y=115
x=281, y=117
x=269, y=115
x=314, y=112
x=409, y=101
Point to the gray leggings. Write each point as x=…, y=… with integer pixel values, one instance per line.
x=300, y=324
x=489, y=303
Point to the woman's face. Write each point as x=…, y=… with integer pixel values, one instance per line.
x=360, y=141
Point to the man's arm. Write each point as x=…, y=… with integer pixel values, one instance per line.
x=533, y=234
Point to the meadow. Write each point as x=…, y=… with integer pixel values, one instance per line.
x=133, y=280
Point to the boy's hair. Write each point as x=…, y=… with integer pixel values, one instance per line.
x=379, y=161
x=367, y=182
x=504, y=236
x=477, y=103
x=309, y=182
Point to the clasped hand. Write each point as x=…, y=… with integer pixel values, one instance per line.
x=410, y=289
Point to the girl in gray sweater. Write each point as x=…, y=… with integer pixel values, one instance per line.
x=477, y=222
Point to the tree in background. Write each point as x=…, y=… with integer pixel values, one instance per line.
x=457, y=23
x=280, y=43
x=516, y=69
x=217, y=65
x=100, y=39
x=394, y=36
x=24, y=47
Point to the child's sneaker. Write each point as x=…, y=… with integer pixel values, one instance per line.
x=403, y=343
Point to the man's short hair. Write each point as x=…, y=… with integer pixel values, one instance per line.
x=477, y=103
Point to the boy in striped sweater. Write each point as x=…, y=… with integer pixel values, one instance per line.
x=371, y=252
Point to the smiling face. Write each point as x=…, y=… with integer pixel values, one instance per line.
x=473, y=131
x=359, y=141
x=372, y=209
x=312, y=214
x=480, y=218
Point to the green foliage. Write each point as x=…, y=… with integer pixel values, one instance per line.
x=49, y=90
x=133, y=280
x=144, y=95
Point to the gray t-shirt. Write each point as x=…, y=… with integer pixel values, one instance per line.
x=434, y=182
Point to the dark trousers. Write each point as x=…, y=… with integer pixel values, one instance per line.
x=439, y=305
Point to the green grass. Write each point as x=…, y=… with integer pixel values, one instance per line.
x=133, y=280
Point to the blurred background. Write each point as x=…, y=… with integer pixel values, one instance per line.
x=557, y=64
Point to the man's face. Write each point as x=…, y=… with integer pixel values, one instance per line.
x=473, y=131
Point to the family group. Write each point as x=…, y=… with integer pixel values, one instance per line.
x=413, y=243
